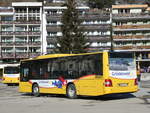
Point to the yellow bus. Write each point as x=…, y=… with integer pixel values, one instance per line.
x=90, y=74
x=10, y=74
x=1, y=71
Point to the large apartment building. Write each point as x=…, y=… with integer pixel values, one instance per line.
x=20, y=31
x=131, y=30
x=96, y=24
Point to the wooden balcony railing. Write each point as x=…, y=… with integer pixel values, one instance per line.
x=130, y=16
x=133, y=47
x=6, y=10
x=131, y=26
x=132, y=37
x=143, y=47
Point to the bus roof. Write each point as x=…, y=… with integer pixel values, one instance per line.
x=57, y=55
x=5, y=65
x=47, y=56
x=65, y=55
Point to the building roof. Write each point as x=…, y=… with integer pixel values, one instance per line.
x=134, y=6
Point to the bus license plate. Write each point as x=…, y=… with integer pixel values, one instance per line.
x=123, y=84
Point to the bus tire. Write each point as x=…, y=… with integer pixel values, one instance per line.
x=71, y=91
x=35, y=90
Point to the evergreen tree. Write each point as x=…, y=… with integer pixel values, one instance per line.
x=73, y=39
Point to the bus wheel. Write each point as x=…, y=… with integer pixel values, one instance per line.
x=71, y=91
x=36, y=90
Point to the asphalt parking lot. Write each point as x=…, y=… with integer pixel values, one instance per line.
x=11, y=101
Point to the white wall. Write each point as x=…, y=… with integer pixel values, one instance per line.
x=135, y=10
x=114, y=11
x=44, y=44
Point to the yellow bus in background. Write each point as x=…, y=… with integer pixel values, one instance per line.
x=1, y=71
x=10, y=74
x=90, y=74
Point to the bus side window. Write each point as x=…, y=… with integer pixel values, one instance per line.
x=25, y=74
x=72, y=67
x=55, y=70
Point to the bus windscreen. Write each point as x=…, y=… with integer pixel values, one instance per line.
x=11, y=70
x=122, y=66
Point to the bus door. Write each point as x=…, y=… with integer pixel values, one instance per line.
x=90, y=71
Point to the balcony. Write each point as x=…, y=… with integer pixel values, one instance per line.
x=56, y=17
x=34, y=22
x=86, y=16
x=7, y=44
x=24, y=44
x=131, y=16
x=6, y=10
x=132, y=26
x=98, y=38
x=95, y=49
x=35, y=44
x=35, y=54
x=51, y=40
x=94, y=17
x=132, y=47
x=27, y=22
x=21, y=55
x=36, y=33
x=8, y=55
x=7, y=33
x=131, y=30
x=53, y=28
x=103, y=27
x=143, y=47
x=122, y=47
x=21, y=33
x=7, y=22
x=132, y=37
